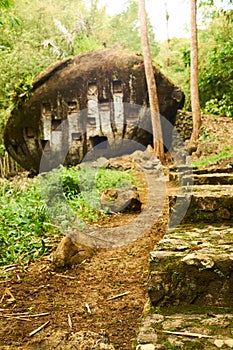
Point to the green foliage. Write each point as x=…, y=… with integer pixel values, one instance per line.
x=91, y=181
x=223, y=107
x=28, y=37
x=178, y=69
x=70, y=181
x=216, y=66
x=2, y=150
x=23, y=226
x=82, y=189
x=22, y=89
x=211, y=2
x=32, y=211
x=215, y=62
x=5, y=4
x=186, y=57
x=211, y=159
x=107, y=178
x=124, y=30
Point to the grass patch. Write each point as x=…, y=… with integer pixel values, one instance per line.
x=211, y=159
x=24, y=228
x=70, y=193
x=34, y=212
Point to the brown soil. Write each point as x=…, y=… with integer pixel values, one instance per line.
x=39, y=288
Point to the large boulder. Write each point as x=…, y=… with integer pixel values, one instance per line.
x=95, y=98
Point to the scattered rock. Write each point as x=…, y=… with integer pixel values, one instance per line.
x=207, y=148
x=69, y=253
x=184, y=124
x=229, y=342
x=219, y=343
x=146, y=347
x=172, y=331
x=120, y=199
x=224, y=342
x=177, y=343
x=83, y=340
x=192, y=148
x=199, y=260
x=147, y=334
x=223, y=214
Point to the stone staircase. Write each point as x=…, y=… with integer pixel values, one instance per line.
x=209, y=193
x=190, y=283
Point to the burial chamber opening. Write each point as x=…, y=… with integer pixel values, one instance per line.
x=100, y=141
x=91, y=93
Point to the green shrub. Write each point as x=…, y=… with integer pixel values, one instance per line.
x=24, y=223
x=201, y=163
x=33, y=211
x=221, y=107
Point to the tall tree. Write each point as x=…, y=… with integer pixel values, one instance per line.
x=151, y=84
x=195, y=102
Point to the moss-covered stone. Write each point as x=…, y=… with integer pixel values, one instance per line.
x=195, y=268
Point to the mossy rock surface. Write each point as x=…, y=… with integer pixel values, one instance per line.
x=181, y=330
x=193, y=266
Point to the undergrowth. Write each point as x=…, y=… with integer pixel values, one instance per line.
x=201, y=163
x=24, y=228
x=33, y=212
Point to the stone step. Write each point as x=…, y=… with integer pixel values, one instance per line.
x=187, y=328
x=187, y=177
x=180, y=178
x=215, y=168
x=190, y=290
x=205, y=203
x=212, y=179
x=213, y=174
x=193, y=266
x=211, y=169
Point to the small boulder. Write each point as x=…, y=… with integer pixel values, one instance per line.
x=70, y=252
x=115, y=200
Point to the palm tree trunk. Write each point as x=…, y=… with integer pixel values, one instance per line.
x=151, y=85
x=195, y=102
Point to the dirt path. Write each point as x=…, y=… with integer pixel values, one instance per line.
x=38, y=289
x=82, y=292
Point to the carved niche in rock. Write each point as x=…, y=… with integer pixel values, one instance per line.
x=97, y=98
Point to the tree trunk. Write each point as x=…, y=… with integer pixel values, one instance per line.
x=152, y=90
x=195, y=102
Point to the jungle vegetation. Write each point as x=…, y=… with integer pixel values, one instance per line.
x=34, y=34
